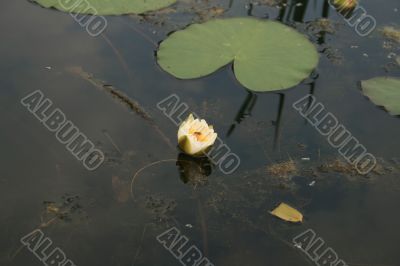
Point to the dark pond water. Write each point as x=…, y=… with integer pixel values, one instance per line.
x=92, y=216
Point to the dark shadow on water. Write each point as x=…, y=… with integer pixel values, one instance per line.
x=292, y=11
x=244, y=111
x=296, y=10
x=277, y=122
x=192, y=169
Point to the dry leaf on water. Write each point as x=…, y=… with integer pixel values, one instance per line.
x=121, y=189
x=287, y=213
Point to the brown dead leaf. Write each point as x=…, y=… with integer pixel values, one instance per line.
x=287, y=213
x=121, y=189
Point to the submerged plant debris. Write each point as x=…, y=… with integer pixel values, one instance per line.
x=132, y=104
x=339, y=166
x=68, y=209
x=391, y=33
x=321, y=26
x=284, y=169
x=160, y=207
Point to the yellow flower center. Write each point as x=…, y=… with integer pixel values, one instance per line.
x=200, y=135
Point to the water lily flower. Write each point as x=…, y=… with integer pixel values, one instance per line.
x=345, y=4
x=195, y=136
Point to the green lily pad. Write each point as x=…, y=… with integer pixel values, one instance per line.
x=106, y=7
x=384, y=92
x=266, y=55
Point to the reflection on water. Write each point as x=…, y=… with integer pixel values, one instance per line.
x=244, y=111
x=111, y=217
x=193, y=170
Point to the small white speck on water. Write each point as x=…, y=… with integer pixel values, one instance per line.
x=298, y=245
x=391, y=55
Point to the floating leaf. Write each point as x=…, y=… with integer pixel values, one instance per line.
x=266, y=55
x=384, y=92
x=121, y=189
x=287, y=213
x=106, y=7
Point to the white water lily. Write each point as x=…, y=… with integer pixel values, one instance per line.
x=195, y=136
x=345, y=4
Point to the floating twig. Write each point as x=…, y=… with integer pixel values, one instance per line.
x=133, y=105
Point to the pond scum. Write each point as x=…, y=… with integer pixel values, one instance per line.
x=252, y=189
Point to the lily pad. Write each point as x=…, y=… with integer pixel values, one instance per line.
x=384, y=92
x=106, y=7
x=266, y=55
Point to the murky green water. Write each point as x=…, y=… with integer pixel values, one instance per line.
x=92, y=215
